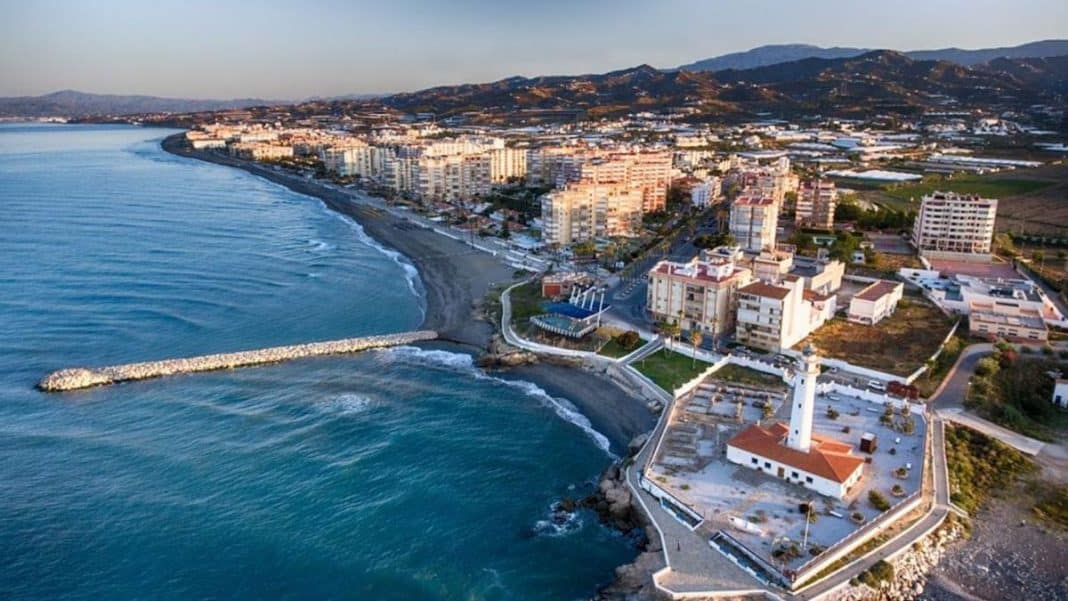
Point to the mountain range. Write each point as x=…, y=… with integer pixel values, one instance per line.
x=71, y=103
x=763, y=56
x=880, y=81
x=853, y=85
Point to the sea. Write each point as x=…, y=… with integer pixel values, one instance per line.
x=405, y=473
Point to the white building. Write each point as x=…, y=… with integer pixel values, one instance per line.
x=1060, y=393
x=955, y=227
x=698, y=295
x=776, y=317
x=793, y=453
x=706, y=193
x=875, y=302
x=753, y=221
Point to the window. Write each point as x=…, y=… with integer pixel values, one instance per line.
x=755, y=461
x=808, y=479
x=794, y=475
x=767, y=464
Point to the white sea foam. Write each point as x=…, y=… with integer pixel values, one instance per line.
x=560, y=522
x=349, y=403
x=410, y=271
x=319, y=245
x=464, y=363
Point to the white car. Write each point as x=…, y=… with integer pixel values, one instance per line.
x=876, y=385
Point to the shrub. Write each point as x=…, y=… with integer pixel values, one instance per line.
x=629, y=340
x=878, y=501
x=832, y=413
x=857, y=517
x=880, y=571
x=987, y=366
x=897, y=490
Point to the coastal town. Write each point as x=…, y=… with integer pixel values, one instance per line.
x=643, y=301
x=793, y=301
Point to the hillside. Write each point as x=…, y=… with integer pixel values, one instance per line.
x=763, y=56
x=70, y=103
x=878, y=81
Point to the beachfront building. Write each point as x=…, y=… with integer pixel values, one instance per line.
x=774, y=317
x=585, y=211
x=956, y=227
x=699, y=295
x=816, y=203
x=753, y=221
x=261, y=151
x=875, y=302
x=793, y=453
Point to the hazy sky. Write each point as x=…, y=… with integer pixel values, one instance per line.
x=299, y=48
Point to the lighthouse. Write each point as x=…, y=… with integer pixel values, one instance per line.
x=804, y=401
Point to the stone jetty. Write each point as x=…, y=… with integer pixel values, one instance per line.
x=85, y=377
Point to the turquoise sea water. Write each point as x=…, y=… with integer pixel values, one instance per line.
x=397, y=474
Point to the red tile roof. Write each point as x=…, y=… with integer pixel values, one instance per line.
x=766, y=290
x=827, y=458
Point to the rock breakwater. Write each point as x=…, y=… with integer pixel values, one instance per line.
x=86, y=377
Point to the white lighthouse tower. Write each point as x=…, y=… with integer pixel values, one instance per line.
x=804, y=402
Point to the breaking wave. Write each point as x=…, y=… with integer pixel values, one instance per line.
x=465, y=364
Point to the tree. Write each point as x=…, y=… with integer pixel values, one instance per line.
x=505, y=232
x=768, y=409
x=696, y=337
x=668, y=329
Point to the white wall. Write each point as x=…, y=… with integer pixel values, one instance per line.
x=821, y=485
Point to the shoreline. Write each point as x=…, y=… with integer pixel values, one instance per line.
x=456, y=279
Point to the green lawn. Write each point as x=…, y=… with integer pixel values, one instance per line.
x=614, y=349
x=751, y=377
x=670, y=370
x=986, y=186
x=526, y=302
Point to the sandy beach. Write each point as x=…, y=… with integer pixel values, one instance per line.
x=456, y=279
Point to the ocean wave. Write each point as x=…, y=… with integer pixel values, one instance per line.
x=464, y=363
x=559, y=522
x=411, y=273
x=318, y=245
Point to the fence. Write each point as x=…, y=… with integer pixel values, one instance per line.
x=923, y=368
x=857, y=538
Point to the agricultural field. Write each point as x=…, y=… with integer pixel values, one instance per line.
x=1031, y=200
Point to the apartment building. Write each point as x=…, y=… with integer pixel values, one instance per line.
x=507, y=164
x=753, y=221
x=957, y=227
x=698, y=295
x=706, y=192
x=816, y=203
x=777, y=316
x=584, y=211
x=260, y=151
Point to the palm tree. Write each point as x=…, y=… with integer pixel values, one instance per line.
x=670, y=330
x=695, y=339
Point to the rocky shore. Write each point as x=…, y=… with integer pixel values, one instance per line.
x=85, y=377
